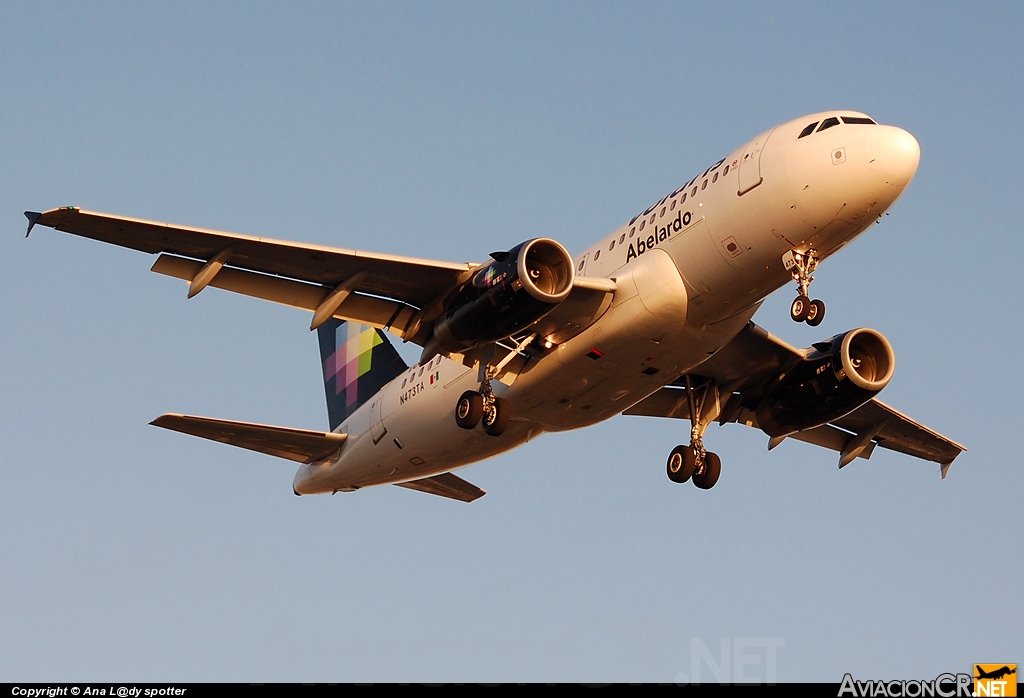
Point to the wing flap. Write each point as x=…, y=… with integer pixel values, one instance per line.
x=381, y=313
x=901, y=433
x=300, y=445
x=446, y=485
x=414, y=281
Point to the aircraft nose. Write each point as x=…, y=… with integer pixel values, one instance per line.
x=893, y=154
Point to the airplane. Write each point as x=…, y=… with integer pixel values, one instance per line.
x=654, y=319
x=995, y=674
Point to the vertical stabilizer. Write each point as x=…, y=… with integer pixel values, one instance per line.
x=358, y=361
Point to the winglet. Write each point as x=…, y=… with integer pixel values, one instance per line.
x=32, y=216
x=945, y=469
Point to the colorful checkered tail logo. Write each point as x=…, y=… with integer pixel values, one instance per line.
x=358, y=361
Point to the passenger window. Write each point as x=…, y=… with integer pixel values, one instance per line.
x=683, y=200
x=694, y=192
x=828, y=123
x=653, y=216
x=663, y=210
x=611, y=246
x=597, y=254
x=632, y=230
x=642, y=224
x=725, y=171
x=672, y=206
x=622, y=238
x=404, y=382
x=580, y=267
x=858, y=120
x=704, y=186
x=807, y=131
x=715, y=178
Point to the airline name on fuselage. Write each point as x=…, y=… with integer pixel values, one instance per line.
x=412, y=392
x=659, y=235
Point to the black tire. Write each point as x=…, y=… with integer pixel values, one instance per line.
x=712, y=469
x=681, y=463
x=469, y=409
x=800, y=308
x=816, y=313
x=496, y=419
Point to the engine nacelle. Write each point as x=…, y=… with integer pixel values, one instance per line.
x=832, y=381
x=506, y=296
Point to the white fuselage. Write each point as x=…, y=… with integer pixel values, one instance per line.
x=690, y=272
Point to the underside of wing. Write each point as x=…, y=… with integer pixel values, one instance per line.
x=300, y=445
x=446, y=485
x=752, y=360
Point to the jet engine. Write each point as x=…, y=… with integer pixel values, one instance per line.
x=836, y=378
x=506, y=296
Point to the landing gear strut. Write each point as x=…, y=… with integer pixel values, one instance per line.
x=484, y=406
x=694, y=461
x=801, y=266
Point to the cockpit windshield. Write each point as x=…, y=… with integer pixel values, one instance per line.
x=834, y=121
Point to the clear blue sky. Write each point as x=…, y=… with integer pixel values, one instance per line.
x=445, y=131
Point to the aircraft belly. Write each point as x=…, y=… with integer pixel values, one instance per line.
x=421, y=437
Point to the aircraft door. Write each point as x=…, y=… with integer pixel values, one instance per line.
x=377, y=428
x=750, y=164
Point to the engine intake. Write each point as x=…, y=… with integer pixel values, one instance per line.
x=506, y=296
x=836, y=378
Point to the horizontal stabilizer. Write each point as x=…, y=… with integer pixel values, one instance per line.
x=301, y=445
x=446, y=485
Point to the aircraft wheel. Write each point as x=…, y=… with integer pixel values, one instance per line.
x=469, y=409
x=681, y=463
x=496, y=419
x=712, y=469
x=800, y=308
x=815, y=313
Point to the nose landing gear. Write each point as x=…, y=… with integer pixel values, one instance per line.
x=694, y=461
x=801, y=266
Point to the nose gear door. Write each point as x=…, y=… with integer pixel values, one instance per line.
x=750, y=164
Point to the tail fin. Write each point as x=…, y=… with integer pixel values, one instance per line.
x=358, y=361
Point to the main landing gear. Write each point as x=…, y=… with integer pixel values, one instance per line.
x=484, y=406
x=694, y=461
x=801, y=265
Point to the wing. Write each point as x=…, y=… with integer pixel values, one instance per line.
x=373, y=289
x=401, y=295
x=753, y=357
x=299, y=445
